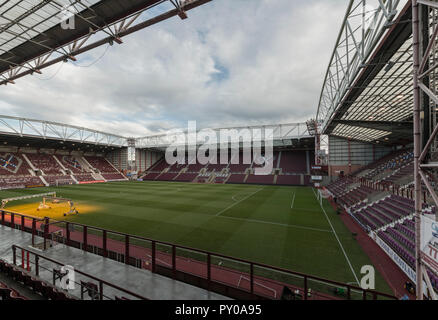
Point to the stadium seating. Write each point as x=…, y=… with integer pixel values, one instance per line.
x=293, y=170
x=237, y=165
x=168, y=176
x=12, y=164
x=289, y=180
x=260, y=179
x=404, y=171
x=71, y=163
x=385, y=211
x=19, y=182
x=387, y=164
x=236, y=178
x=45, y=163
x=38, y=286
x=104, y=168
x=354, y=196
x=186, y=177
x=293, y=161
x=84, y=177
x=16, y=172
x=151, y=175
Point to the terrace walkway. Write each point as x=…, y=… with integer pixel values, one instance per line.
x=140, y=281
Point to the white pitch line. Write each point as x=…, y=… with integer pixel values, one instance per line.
x=337, y=238
x=293, y=201
x=275, y=224
x=235, y=203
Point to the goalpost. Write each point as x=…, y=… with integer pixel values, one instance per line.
x=63, y=182
x=50, y=202
x=39, y=195
x=320, y=196
x=47, y=201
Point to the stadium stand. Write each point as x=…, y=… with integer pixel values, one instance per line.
x=293, y=170
x=260, y=179
x=70, y=163
x=18, y=170
x=44, y=162
x=294, y=162
x=288, y=180
x=42, y=288
x=389, y=215
x=102, y=166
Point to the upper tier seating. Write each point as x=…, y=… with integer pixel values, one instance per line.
x=389, y=163
x=407, y=170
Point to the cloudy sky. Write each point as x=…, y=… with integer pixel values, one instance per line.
x=233, y=62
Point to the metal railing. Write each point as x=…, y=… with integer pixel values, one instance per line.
x=27, y=261
x=177, y=261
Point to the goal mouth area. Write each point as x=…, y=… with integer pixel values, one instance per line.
x=41, y=205
x=25, y=200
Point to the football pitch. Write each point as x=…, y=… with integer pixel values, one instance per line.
x=275, y=225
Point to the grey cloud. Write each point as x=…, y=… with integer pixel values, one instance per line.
x=275, y=53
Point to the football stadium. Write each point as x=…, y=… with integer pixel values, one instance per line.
x=341, y=206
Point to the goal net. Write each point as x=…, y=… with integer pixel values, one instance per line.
x=63, y=182
x=41, y=205
x=11, y=202
x=58, y=203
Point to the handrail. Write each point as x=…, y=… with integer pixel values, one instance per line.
x=209, y=254
x=100, y=281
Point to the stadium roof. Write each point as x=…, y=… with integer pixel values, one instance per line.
x=31, y=131
x=40, y=133
x=36, y=34
x=367, y=92
x=283, y=135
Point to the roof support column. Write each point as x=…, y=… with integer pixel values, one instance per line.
x=417, y=147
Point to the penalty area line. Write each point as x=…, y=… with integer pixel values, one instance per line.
x=275, y=224
x=235, y=203
x=337, y=238
x=293, y=201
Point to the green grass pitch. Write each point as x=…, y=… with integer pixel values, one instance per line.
x=274, y=225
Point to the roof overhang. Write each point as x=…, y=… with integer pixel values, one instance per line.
x=37, y=34
x=374, y=103
x=281, y=136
